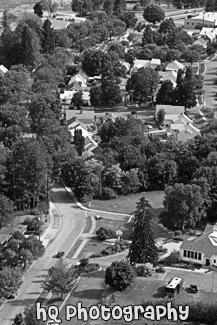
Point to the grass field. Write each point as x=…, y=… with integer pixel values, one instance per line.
x=127, y=204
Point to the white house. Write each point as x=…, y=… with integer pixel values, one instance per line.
x=168, y=75
x=80, y=78
x=202, y=249
x=138, y=64
x=175, y=65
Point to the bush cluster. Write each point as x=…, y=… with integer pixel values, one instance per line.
x=118, y=247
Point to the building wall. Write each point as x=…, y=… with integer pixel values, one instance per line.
x=192, y=258
x=190, y=23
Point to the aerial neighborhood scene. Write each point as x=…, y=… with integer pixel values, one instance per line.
x=108, y=162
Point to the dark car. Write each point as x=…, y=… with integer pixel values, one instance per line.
x=11, y=295
x=193, y=288
x=60, y=254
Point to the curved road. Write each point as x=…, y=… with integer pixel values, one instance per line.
x=72, y=226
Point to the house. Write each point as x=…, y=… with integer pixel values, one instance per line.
x=84, y=116
x=208, y=33
x=67, y=95
x=170, y=110
x=80, y=77
x=90, y=145
x=126, y=65
x=206, y=19
x=175, y=65
x=3, y=70
x=168, y=75
x=203, y=249
x=202, y=42
x=154, y=63
x=138, y=64
x=188, y=132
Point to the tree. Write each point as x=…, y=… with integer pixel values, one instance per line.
x=186, y=94
x=129, y=18
x=34, y=246
x=184, y=206
x=111, y=94
x=165, y=95
x=6, y=211
x=77, y=99
x=50, y=6
x=82, y=7
x=94, y=61
x=30, y=316
x=18, y=320
x=153, y=14
x=160, y=117
x=30, y=47
x=48, y=37
x=108, y=6
x=79, y=141
x=210, y=50
x=60, y=279
x=38, y=9
x=119, y=7
x=115, y=27
x=211, y=5
x=95, y=95
x=143, y=83
x=9, y=280
x=119, y=275
x=149, y=36
x=142, y=248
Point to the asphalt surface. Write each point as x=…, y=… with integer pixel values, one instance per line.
x=73, y=224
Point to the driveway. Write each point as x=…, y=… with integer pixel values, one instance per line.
x=73, y=224
x=209, y=84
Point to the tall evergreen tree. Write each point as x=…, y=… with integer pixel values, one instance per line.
x=165, y=95
x=142, y=248
x=29, y=47
x=38, y=9
x=79, y=141
x=48, y=37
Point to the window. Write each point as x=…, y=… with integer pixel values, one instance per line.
x=199, y=256
x=189, y=254
x=192, y=254
x=214, y=261
x=195, y=256
x=192, y=23
x=187, y=23
x=185, y=253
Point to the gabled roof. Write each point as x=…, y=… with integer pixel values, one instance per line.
x=140, y=63
x=59, y=24
x=209, y=32
x=175, y=65
x=3, y=69
x=201, y=41
x=156, y=61
x=206, y=243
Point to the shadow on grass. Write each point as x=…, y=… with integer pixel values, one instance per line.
x=97, y=274
x=160, y=293
x=88, y=294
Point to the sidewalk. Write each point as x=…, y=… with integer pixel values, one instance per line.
x=54, y=226
x=91, y=210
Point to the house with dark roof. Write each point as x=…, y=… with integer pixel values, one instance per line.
x=84, y=116
x=202, y=249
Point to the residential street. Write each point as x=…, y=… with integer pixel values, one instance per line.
x=73, y=224
x=209, y=84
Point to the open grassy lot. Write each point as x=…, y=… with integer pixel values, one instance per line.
x=127, y=204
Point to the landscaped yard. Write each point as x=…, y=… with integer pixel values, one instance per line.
x=127, y=204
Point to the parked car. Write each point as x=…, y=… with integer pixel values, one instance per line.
x=193, y=288
x=60, y=254
x=188, y=11
x=11, y=295
x=98, y=217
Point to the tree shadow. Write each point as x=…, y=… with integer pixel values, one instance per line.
x=160, y=293
x=97, y=274
x=88, y=294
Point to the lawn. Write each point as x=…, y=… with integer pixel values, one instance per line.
x=127, y=204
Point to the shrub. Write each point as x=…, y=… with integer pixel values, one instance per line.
x=172, y=259
x=83, y=262
x=119, y=275
x=105, y=233
x=160, y=269
x=178, y=233
x=108, y=193
x=91, y=267
x=178, y=238
x=142, y=270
